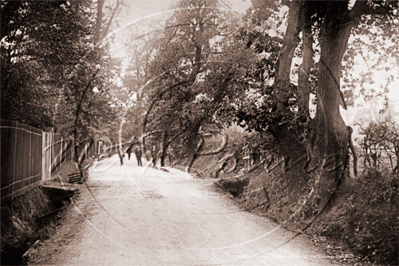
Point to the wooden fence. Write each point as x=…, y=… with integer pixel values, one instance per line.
x=56, y=150
x=28, y=157
x=21, y=159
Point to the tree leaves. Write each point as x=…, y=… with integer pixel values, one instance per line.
x=197, y=69
x=49, y=61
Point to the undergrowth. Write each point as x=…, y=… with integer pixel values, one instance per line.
x=365, y=217
x=26, y=220
x=18, y=228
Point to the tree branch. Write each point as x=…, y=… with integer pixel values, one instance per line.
x=79, y=107
x=357, y=10
x=118, y=3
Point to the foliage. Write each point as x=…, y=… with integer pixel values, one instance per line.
x=50, y=65
x=244, y=143
x=365, y=217
x=18, y=227
x=197, y=71
x=373, y=48
x=256, y=110
x=327, y=26
x=41, y=42
x=380, y=138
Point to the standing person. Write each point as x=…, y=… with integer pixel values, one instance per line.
x=121, y=155
x=138, y=156
x=129, y=151
x=154, y=156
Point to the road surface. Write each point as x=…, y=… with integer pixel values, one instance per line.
x=143, y=216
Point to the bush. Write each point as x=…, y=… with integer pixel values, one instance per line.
x=366, y=217
x=18, y=228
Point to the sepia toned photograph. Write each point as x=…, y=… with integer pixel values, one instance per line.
x=199, y=132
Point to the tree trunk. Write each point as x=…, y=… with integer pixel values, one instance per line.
x=289, y=146
x=295, y=153
x=165, y=145
x=192, y=143
x=99, y=21
x=290, y=42
x=105, y=32
x=397, y=158
x=79, y=107
x=330, y=150
x=295, y=162
x=307, y=62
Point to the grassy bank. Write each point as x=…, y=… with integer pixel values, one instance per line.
x=19, y=229
x=31, y=217
x=362, y=217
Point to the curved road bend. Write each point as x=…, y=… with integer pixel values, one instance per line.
x=142, y=216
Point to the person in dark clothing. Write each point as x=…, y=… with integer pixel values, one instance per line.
x=129, y=151
x=121, y=155
x=138, y=156
x=154, y=156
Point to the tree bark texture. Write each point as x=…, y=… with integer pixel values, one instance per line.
x=165, y=145
x=307, y=62
x=323, y=152
x=330, y=149
x=290, y=42
x=99, y=21
x=193, y=145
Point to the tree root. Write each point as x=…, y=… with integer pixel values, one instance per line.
x=221, y=164
x=256, y=166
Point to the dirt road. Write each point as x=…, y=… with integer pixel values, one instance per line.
x=142, y=216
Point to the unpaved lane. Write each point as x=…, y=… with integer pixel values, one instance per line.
x=142, y=216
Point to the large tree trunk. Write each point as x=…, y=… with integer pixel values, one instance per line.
x=323, y=152
x=294, y=161
x=330, y=149
x=290, y=42
x=289, y=146
x=307, y=62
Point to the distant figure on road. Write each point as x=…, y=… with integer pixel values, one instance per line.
x=148, y=155
x=138, y=156
x=129, y=151
x=121, y=155
x=154, y=156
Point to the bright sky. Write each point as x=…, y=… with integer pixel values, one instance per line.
x=142, y=8
x=138, y=13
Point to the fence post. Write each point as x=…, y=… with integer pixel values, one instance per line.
x=13, y=172
x=24, y=159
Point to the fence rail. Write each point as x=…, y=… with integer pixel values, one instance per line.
x=21, y=158
x=28, y=157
